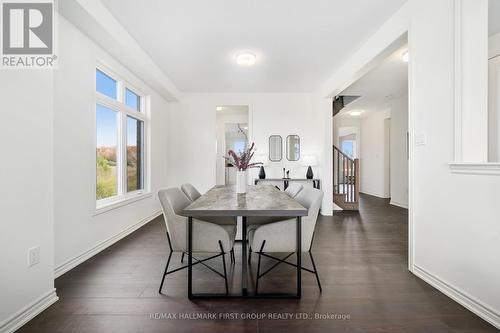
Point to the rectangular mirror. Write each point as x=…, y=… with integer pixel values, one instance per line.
x=275, y=148
x=293, y=148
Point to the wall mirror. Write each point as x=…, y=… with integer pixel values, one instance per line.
x=293, y=148
x=275, y=148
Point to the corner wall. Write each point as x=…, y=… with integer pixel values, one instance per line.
x=27, y=201
x=399, y=152
x=374, y=155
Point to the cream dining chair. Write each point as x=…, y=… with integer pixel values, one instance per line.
x=207, y=237
x=280, y=237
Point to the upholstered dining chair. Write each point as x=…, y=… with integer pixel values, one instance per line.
x=280, y=237
x=254, y=222
x=207, y=237
x=293, y=189
x=190, y=191
x=193, y=194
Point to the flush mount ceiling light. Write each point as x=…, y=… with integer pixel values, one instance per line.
x=355, y=113
x=219, y=108
x=246, y=59
x=406, y=56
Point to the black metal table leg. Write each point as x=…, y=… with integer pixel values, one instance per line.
x=244, y=267
x=244, y=263
x=190, y=257
x=299, y=257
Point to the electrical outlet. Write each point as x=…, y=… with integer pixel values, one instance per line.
x=33, y=256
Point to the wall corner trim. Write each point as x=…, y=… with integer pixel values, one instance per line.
x=29, y=312
x=72, y=263
x=475, y=168
x=462, y=298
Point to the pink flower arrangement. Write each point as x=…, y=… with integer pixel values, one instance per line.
x=242, y=160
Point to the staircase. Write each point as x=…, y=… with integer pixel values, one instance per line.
x=346, y=180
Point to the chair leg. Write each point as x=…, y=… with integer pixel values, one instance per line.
x=182, y=258
x=224, y=265
x=315, y=272
x=249, y=255
x=258, y=267
x=233, y=259
x=165, y=272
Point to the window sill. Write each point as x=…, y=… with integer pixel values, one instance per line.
x=120, y=202
x=475, y=168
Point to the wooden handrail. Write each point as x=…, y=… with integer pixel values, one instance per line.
x=343, y=154
x=346, y=175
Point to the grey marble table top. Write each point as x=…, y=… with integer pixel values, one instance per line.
x=262, y=200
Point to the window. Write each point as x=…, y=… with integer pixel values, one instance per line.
x=106, y=152
x=121, y=122
x=135, y=177
x=105, y=84
x=132, y=100
x=348, y=147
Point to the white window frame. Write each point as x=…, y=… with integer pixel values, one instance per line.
x=123, y=111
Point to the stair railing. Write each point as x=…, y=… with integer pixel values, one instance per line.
x=345, y=175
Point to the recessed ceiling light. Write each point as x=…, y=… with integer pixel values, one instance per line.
x=219, y=108
x=246, y=59
x=406, y=56
x=355, y=113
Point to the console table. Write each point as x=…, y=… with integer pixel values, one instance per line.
x=316, y=183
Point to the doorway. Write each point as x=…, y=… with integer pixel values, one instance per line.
x=232, y=126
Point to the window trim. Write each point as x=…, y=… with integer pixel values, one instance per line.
x=123, y=111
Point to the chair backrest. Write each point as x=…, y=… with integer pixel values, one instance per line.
x=173, y=201
x=190, y=191
x=293, y=189
x=311, y=199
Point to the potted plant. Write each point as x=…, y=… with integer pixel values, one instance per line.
x=242, y=162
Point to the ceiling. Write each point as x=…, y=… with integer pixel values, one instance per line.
x=377, y=88
x=298, y=44
x=494, y=17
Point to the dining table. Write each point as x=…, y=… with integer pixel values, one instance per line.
x=259, y=201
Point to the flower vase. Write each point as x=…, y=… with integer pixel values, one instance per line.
x=241, y=182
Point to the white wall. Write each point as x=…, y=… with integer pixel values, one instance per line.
x=399, y=152
x=455, y=234
x=77, y=229
x=374, y=155
x=27, y=193
x=192, y=132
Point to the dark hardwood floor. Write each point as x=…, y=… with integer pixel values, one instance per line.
x=362, y=260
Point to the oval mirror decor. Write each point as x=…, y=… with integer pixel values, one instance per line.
x=293, y=148
x=275, y=148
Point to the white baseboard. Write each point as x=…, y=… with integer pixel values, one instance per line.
x=29, y=312
x=479, y=308
x=72, y=263
x=399, y=204
x=374, y=194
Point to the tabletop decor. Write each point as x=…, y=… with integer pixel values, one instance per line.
x=242, y=161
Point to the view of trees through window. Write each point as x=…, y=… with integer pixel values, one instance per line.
x=134, y=154
x=107, y=143
x=108, y=128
